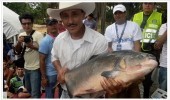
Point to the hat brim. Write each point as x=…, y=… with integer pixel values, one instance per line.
x=86, y=7
x=119, y=10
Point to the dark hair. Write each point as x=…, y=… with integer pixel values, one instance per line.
x=5, y=59
x=26, y=16
x=51, y=21
x=19, y=63
x=4, y=39
x=91, y=15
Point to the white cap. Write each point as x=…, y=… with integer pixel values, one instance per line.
x=119, y=7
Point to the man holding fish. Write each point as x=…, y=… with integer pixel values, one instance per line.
x=77, y=45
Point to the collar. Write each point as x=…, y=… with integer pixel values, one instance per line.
x=18, y=79
x=52, y=35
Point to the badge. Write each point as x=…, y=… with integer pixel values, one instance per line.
x=119, y=47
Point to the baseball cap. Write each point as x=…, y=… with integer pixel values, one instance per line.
x=119, y=7
x=51, y=21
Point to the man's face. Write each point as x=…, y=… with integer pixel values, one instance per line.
x=72, y=20
x=148, y=7
x=20, y=72
x=52, y=28
x=27, y=25
x=119, y=16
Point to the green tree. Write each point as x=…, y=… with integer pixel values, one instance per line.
x=18, y=7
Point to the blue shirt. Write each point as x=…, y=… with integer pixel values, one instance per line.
x=45, y=48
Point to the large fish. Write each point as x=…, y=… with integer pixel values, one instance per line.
x=127, y=66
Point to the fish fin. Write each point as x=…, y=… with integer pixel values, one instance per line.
x=90, y=91
x=123, y=64
x=109, y=74
x=69, y=93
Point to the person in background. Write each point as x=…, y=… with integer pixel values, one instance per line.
x=123, y=35
x=28, y=44
x=90, y=22
x=60, y=26
x=161, y=43
x=149, y=21
x=17, y=83
x=8, y=73
x=119, y=35
x=11, y=56
x=6, y=47
x=48, y=72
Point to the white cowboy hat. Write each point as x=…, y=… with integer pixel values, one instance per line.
x=86, y=7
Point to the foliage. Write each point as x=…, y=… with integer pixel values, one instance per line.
x=38, y=9
x=19, y=8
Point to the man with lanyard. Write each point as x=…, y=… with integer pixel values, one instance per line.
x=149, y=22
x=123, y=35
x=48, y=72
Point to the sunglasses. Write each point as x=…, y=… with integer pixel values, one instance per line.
x=29, y=23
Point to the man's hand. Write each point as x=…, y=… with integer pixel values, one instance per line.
x=158, y=45
x=31, y=46
x=25, y=90
x=112, y=86
x=44, y=82
x=61, y=74
x=21, y=39
x=110, y=50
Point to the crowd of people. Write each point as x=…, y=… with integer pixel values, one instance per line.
x=71, y=40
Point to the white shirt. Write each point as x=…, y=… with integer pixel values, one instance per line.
x=131, y=34
x=71, y=56
x=163, y=55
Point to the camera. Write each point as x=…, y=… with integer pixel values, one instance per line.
x=28, y=39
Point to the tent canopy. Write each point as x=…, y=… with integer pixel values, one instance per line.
x=11, y=23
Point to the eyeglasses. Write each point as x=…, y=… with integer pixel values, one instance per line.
x=29, y=23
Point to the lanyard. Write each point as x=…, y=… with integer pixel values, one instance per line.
x=121, y=33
